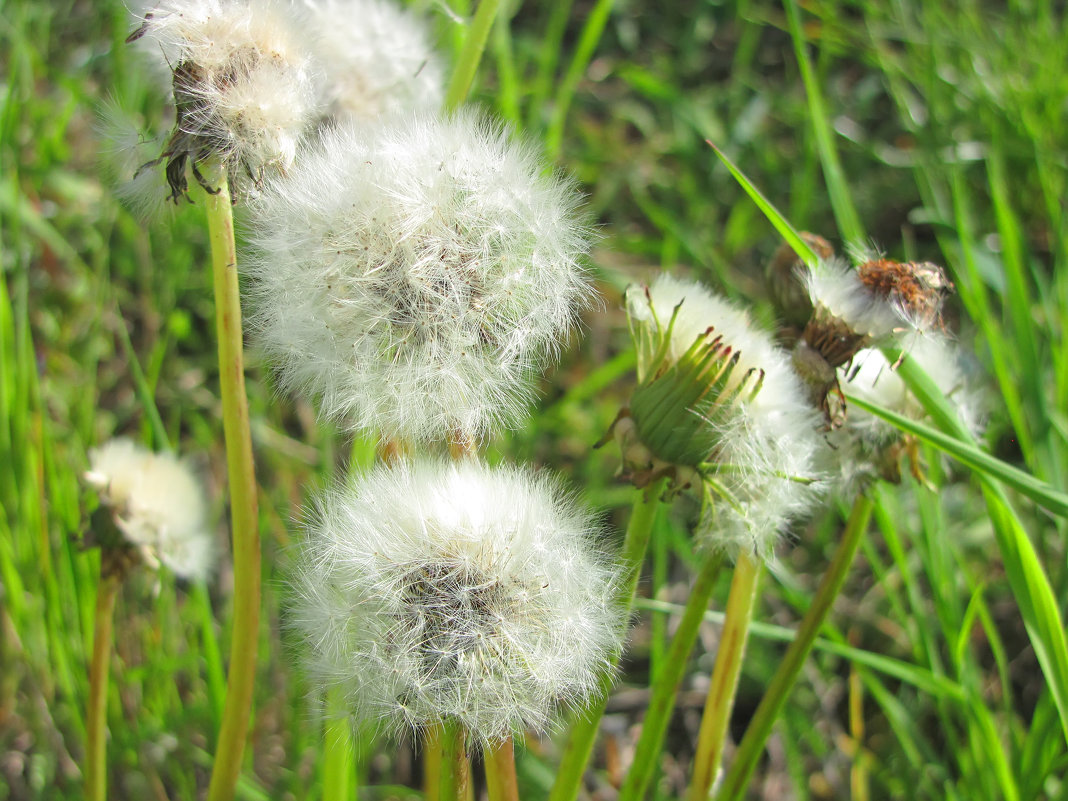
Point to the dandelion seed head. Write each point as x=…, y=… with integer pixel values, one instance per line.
x=454, y=590
x=376, y=57
x=416, y=276
x=244, y=88
x=157, y=504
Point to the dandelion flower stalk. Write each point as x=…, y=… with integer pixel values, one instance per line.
x=107, y=591
x=724, y=682
x=338, y=753
x=244, y=641
x=584, y=728
x=455, y=771
x=759, y=728
x=501, y=783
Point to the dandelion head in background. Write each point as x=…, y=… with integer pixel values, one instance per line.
x=434, y=591
x=718, y=405
x=156, y=503
x=856, y=308
x=243, y=85
x=376, y=58
x=416, y=277
x=866, y=447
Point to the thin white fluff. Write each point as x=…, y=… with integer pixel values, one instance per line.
x=255, y=92
x=768, y=446
x=454, y=590
x=861, y=444
x=836, y=291
x=376, y=57
x=158, y=505
x=416, y=276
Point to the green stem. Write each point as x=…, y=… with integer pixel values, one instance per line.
x=584, y=728
x=666, y=685
x=455, y=767
x=432, y=762
x=96, y=774
x=756, y=735
x=339, y=764
x=467, y=64
x=501, y=784
x=244, y=640
x=724, y=682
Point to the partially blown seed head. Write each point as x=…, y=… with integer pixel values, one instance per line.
x=156, y=503
x=416, y=276
x=244, y=88
x=717, y=395
x=454, y=590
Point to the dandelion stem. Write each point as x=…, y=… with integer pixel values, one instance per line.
x=584, y=728
x=724, y=683
x=432, y=761
x=339, y=764
x=96, y=774
x=244, y=639
x=666, y=685
x=467, y=64
x=501, y=783
x=455, y=768
x=756, y=735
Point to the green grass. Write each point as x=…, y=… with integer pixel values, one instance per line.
x=936, y=129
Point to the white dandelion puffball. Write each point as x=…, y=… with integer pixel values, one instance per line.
x=416, y=277
x=244, y=87
x=158, y=505
x=837, y=292
x=762, y=446
x=376, y=58
x=454, y=590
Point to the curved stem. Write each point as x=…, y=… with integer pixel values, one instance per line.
x=759, y=729
x=501, y=784
x=584, y=728
x=244, y=640
x=666, y=685
x=96, y=773
x=724, y=683
x=467, y=65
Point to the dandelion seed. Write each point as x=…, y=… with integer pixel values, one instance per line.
x=157, y=504
x=435, y=591
x=416, y=277
x=376, y=57
x=718, y=403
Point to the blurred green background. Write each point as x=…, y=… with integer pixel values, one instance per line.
x=949, y=120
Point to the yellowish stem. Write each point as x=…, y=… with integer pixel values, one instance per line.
x=432, y=762
x=244, y=517
x=501, y=784
x=724, y=683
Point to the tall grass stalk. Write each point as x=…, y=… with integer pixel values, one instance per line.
x=665, y=686
x=471, y=54
x=756, y=734
x=96, y=773
x=724, y=682
x=244, y=639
